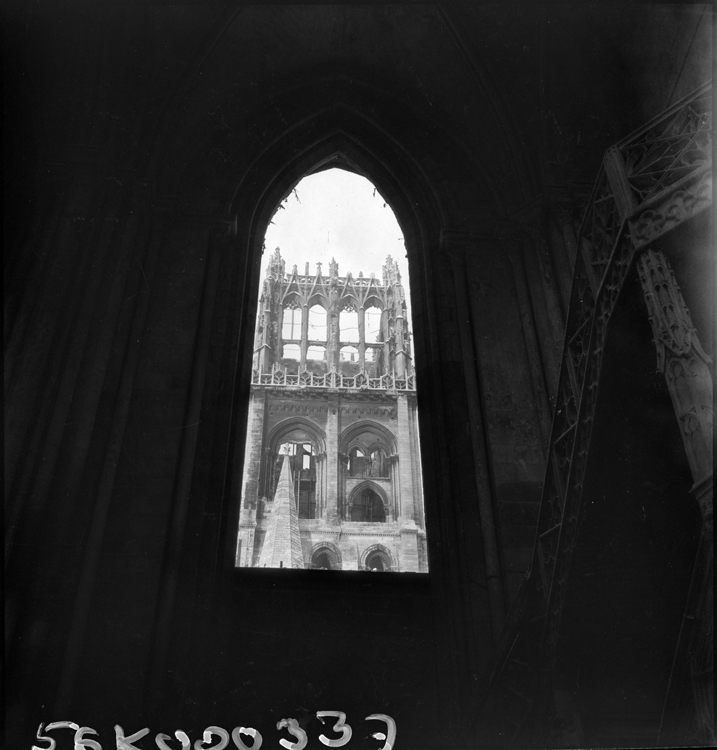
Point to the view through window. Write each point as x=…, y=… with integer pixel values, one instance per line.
x=332, y=473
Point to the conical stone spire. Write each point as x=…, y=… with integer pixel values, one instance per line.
x=282, y=544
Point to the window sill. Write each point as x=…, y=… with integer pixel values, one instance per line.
x=346, y=581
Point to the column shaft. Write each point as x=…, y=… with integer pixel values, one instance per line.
x=333, y=420
x=405, y=459
x=304, y=334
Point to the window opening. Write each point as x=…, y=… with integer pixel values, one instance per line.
x=325, y=558
x=332, y=437
x=308, y=453
x=291, y=326
x=368, y=507
x=372, y=323
x=291, y=351
x=376, y=562
x=349, y=326
x=316, y=353
x=356, y=462
x=321, y=561
x=349, y=354
x=378, y=466
x=302, y=463
x=317, y=323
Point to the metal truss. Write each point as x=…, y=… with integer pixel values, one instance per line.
x=648, y=184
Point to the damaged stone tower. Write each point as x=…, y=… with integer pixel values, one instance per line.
x=332, y=476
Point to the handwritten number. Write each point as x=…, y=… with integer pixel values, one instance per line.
x=339, y=726
x=391, y=725
x=125, y=743
x=53, y=725
x=251, y=732
x=39, y=736
x=208, y=732
x=81, y=742
x=292, y=725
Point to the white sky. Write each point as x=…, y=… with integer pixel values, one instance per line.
x=338, y=215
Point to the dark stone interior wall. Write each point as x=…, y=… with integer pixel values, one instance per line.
x=512, y=415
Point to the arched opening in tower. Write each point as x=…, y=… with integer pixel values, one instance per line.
x=333, y=358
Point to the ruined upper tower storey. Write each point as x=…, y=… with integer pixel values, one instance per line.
x=332, y=331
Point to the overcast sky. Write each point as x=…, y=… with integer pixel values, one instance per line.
x=340, y=215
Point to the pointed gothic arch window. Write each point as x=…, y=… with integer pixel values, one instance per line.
x=333, y=352
x=372, y=323
x=367, y=507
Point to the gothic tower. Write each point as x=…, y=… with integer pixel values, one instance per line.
x=333, y=397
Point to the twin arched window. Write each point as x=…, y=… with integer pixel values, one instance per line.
x=314, y=352
x=293, y=318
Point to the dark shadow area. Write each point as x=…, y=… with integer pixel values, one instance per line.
x=635, y=548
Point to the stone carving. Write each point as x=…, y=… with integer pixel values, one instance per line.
x=669, y=316
x=334, y=294
x=679, y=142
x=681, y=357
x=682, y=204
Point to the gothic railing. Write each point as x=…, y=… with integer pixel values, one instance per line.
x=649, y=183
x=333, y=379
x=359, y=281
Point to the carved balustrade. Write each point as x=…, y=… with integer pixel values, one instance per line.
x=649, y=183
x=333, y=379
